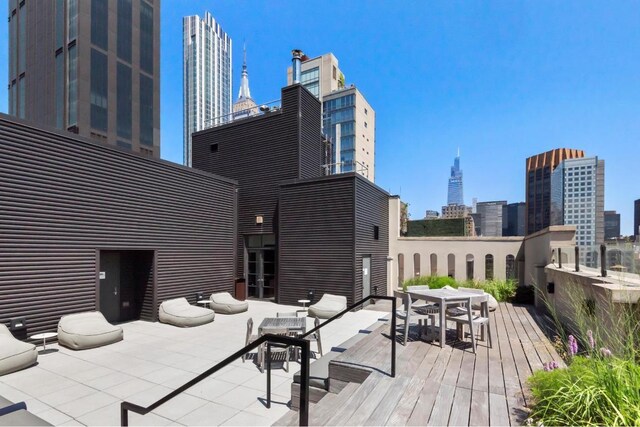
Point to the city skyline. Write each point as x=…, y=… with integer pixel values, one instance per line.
x=503, y=82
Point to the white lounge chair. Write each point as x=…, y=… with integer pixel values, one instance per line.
x=15, y=354
x=223, y=302
x=328, y=306
x=179, y=312
x=81, y=331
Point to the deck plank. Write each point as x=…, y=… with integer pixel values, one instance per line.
x=498, y=412
x=479, y=415
x=460, y=408
x=442, y=406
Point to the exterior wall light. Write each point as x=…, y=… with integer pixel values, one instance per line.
x=259, y=219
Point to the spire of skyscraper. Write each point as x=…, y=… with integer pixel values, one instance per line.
x=244, y=93
x=455, y=195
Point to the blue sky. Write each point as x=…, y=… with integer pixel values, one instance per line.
x=502, y=80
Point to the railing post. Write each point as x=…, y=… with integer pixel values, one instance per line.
x=559, y=258
x=304, y=384
x=393, y=337
x=577, y=249
x=603, y=260
x=268, y=374
x=124, y=416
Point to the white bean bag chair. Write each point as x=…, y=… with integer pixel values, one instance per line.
x=15, y=354
x=179, y=312
x=328, y=306
x=81, y=331
x=223, y=302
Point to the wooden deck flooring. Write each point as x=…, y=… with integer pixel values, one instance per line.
x=434, y=386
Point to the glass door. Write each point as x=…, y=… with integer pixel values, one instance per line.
x=261, y=273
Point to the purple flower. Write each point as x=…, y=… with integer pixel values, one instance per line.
x=573, y=345
x=605, y=352
x=592, y=342
x=550, y=366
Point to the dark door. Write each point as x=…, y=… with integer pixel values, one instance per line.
x=366, y=276
x=261, y=274
x=110, y=285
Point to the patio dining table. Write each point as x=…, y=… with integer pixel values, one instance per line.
x=441, y=296
x=293, y=324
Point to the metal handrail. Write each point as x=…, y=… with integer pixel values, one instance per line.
x=268, y=338
x=357, y=304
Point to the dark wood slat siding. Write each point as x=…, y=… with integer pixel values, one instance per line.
x=316, y=238
x=371, y=209
x=63, y=198
x=311, y=158
x=260, y=153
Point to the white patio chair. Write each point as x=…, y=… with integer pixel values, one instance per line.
x=275, y=348
x=407, y=314
x=250, y=337
x=462, y=315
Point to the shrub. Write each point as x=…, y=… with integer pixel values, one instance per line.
x=594, y=390
x=501, y=290
x=434, y=282
x=525, y=295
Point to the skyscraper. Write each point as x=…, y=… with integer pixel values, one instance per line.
x=89, y=67
x=538, y=191
x=513, y=219
x=206, y=75
x=244, y=106
x=491, y=218
x=455, y=195
x=348, y=119
x=611, y=225
x=636, y=219
x=577, y=190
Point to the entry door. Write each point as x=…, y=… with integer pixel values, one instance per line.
x=261, y=273
x=366, y=276
x=110, y=285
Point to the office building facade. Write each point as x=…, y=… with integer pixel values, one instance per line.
x=577, y=198
x=207, y=77
x=455, y=211
x=455, y=194
x=348, y=119
x=636, y=219
x=490, y=218
x=538, y=185
x=89, y=67
x=513, y=219
x=611, y=225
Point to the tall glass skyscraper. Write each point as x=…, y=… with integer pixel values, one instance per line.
x=206, y=76
x=577, y=198
x=454, y=195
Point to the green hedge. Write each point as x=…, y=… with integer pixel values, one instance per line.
x=501, y=290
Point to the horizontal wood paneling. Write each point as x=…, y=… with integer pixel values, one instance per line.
x=63, y=198
x=316, y=239
x=260, y=153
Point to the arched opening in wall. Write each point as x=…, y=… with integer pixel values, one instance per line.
x=511, y=268
x=416, y=265
x=434, y=264
x=400, y=269
x=564, y=256
x=451, y=265
x=488, y=267
x=470, y=267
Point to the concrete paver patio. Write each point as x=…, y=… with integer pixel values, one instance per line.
x=86, y=387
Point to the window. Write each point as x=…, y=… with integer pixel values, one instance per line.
x=21, y=94
x=124, y=98
x=22, y=39
x=60, y=77
x=511, y=267
x=470, y=262
x=146, y=110
x=335, y=73
x=99, y=90
x=376, y=232
x=365, y=124
x=146, y=37
x=100, y=23
x=416, y=265
x=59, y=23
x=123, y=144
x=451, y=265
x=400, y=269
x=213, y=148
x=434, y=264
x=72, y=12
x=124, y=30
x=488, y=267
x=72, y=95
